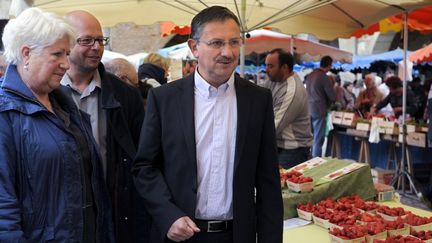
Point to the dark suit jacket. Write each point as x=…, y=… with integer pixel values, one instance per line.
x=165, y=169
x=125, y=114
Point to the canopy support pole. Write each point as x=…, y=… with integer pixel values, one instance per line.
x=243, y=34
x=403, y=173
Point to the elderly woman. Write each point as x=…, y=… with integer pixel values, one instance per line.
x=51, y=188
x=368, y=97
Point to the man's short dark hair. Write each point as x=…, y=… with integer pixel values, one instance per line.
x=210, y=14
x=394, y=82
x=284, y=57
x=326, y=61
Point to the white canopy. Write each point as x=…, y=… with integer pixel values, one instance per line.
x=326, y=19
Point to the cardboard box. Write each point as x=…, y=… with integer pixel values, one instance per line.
x=424, y=227
x=337, y=117
x=357, y=133
x=335, y=239
x=417, y=139
x=379, y=236
x=304, y=215
x=423, y=129
x=409, y=128
x=348, y=119
x=321, y=222
x=404, y=231
x=363, y=126
x=300, y=187
x=424, y=237
x=389, y=127
x=332, y=226
x=391, y=218
x=385, y=196
x=384, y=192
x=382, y=176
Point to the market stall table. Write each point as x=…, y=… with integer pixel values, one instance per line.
x=357, y=182
x=314, y=234
x=364, y=154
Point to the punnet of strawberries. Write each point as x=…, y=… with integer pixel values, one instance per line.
x=366, y=206
x=300, y=179
x=321, y=212
x=367, y=217
x=327, y=203
x=375, y=228
x=354, y=198
x=399, y=223
x=398, y=211
x=423, y=235
x=352, y=212
x=308, y=207
x=341, y=218
x=349, y=232
x=399, y=239
x=285, y=175
x=416, y=220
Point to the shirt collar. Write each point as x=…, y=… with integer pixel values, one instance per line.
x=95, y=82
x=206, y=90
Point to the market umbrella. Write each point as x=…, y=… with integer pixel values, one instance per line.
x=422, y=55
x=260, y=41
x=365, y=61
x=326, y=19
x=418, y=20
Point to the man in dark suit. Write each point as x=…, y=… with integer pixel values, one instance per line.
x=207, y=160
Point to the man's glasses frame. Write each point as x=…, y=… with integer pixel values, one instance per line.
x=90, y=41
x=218, y=44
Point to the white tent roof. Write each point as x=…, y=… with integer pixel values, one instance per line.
x=327, y=19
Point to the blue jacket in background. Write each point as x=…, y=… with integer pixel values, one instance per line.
x=40, y=170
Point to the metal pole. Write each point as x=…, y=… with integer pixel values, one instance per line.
x=404, y=83
x=243, y=34
x=405, y=65
x=292, y=45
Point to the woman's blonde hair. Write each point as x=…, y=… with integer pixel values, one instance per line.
x=158, y=60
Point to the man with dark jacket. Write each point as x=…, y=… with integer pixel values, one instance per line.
x=395, y=98
x=116, y=111
x=321, y=94
x=207, y=161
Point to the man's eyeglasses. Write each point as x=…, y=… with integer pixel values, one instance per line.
x=89, y=41
x=218, y=44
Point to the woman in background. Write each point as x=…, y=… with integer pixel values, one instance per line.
x=51, y=188
x=154, y=70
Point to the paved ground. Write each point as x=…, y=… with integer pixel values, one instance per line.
x=414, y=201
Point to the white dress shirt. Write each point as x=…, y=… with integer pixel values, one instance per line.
x=215, y=134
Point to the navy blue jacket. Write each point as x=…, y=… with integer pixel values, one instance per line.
x=40, y=170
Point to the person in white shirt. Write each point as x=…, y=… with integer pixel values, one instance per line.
x=207, y=160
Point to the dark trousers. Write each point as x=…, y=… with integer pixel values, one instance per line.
x=204, y=237
x=430, y=122
x=291, y=157
x=318, y=129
